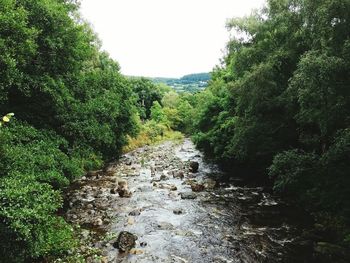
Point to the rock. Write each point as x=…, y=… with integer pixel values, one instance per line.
x=155, y=181
x=124, y=193
x=171, y=187
x=114, y=191
x=194, y=166
x=177, y=211
x=173, y=195
x=136, y=251
x=197, y=187
x=163, y=177
x=209, y=183
x=131, y=221
x=97, y=222
x=143, y=244
x=123, y=189
x=122, y=183
x=128, y=161
x=179, y=174
x=189, y=182
x=125, y=241
x=135, y=213
x=188, y=195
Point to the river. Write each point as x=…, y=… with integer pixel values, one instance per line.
x=223, y=220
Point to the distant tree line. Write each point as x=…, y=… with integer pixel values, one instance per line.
x=189, y=83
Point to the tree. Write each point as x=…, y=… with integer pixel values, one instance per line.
x=157, y=113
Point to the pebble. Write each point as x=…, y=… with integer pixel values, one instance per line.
x=131, y=221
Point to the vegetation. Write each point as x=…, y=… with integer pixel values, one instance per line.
x=156, y=121
x=278, y=107
x=73, y=110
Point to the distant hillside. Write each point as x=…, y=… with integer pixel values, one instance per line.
x=188, y=83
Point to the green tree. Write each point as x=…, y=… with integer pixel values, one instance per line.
x=157, y=113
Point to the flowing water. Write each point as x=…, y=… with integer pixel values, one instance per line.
x=227, y=221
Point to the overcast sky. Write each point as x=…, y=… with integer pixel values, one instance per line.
x=164, y=38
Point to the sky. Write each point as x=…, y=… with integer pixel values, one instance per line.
x=164, y=38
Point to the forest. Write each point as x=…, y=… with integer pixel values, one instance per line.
x=276, y=111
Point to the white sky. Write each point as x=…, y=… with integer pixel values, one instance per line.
x=164, y=38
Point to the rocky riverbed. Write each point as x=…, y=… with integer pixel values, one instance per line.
x=166, y=204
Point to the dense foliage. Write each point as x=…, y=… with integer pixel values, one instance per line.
x=146, y=92
x=155, y=119
x=278, y=107
x=73, y=110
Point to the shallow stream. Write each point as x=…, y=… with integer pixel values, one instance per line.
x=223, y=220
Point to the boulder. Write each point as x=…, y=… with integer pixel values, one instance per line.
x=194, y=166
x=122, y=189
x=125, y=241
x=125, y=193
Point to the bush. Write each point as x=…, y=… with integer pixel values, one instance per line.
x=32, y=170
